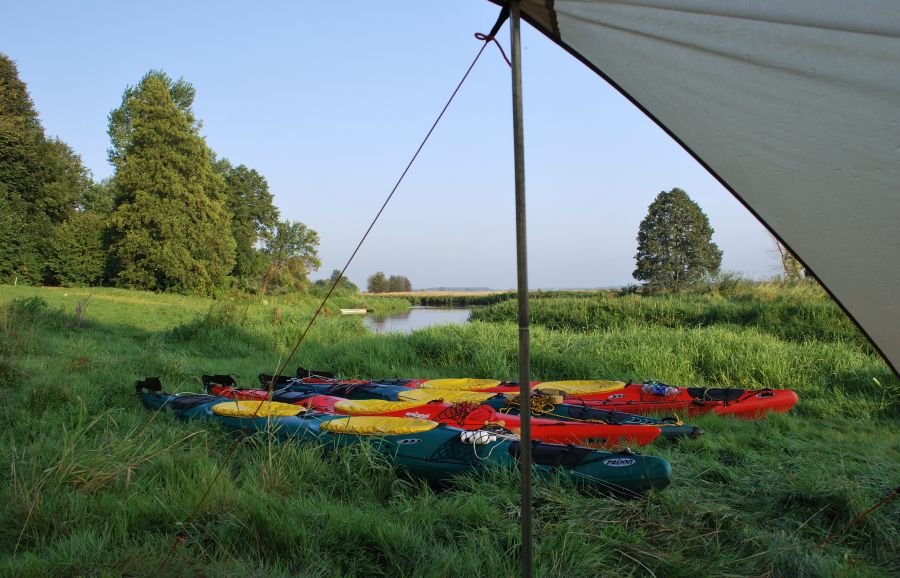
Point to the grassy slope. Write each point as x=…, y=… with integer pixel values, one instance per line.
x=95, y=485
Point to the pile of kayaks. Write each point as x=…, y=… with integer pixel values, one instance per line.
x=436, y=429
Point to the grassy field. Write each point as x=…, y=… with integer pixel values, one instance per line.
x=93, y=485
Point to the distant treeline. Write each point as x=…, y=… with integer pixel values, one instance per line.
x=476, y=300
x=173, y=217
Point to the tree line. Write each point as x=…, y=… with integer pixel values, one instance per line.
x=173, y=217
x=379, y=283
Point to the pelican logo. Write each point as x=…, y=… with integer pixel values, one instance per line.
x=417, y=415
x=619, y=462
x=408, y=442
x=616, y=396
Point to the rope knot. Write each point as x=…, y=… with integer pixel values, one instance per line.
x=491, y=38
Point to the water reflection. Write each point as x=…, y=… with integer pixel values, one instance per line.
x=415, y=318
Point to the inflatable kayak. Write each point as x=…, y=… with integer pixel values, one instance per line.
x=422, y=447
x=505, y=407
x=467, y=415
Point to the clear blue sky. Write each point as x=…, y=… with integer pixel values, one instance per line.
x=330, y=100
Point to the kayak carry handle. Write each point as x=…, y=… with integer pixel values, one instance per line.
x=148, y=385
x=224, y=380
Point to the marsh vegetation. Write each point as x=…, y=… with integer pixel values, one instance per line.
x=95, y=485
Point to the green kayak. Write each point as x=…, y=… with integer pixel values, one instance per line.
x=423, y=448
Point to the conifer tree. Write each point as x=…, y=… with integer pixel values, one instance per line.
x=675, y=248
x=170, y=227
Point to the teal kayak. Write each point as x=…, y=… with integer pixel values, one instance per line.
x=423, y=448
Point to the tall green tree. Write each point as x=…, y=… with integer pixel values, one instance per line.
x=77, y=255
x=675, y=248
x=99, y=198
x=253, y=215
x=170, y=227
x=377, y=283
x=66, y=181
x=20, y=177
x=291, y=253
x=41, y=180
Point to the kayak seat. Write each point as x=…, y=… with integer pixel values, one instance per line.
x=575, y=387
x=288, y=396
x=368, y=406
x=552, y=454
x=450, y=396
x=460, y=384
x=255, y=408
x=184, y=402
x=715, y=393
x=377, y=425
x=585, y=413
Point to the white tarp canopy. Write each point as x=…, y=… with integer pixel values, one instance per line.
x=794, y=105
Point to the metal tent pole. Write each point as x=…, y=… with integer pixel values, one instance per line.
x=522, y=268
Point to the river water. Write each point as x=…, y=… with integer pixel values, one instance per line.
x=415, y=318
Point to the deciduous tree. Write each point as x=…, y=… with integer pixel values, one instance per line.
x=675, y=247
x=399, y=284
x=344, y=285
x=291, y=254
x=253, y=215
x=377, y=283
x=794, y=270
x=77, y=256
x=40, y=181
x=170, y=229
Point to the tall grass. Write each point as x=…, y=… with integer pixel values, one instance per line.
x=93, y=485
x=476, y=299
x=789, y=315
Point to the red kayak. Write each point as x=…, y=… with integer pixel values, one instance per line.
x=641, y=398
x=469, y=416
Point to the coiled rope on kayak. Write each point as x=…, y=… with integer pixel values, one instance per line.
x=486, y=39
x=541, y=405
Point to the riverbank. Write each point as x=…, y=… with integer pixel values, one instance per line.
x=95, y=485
